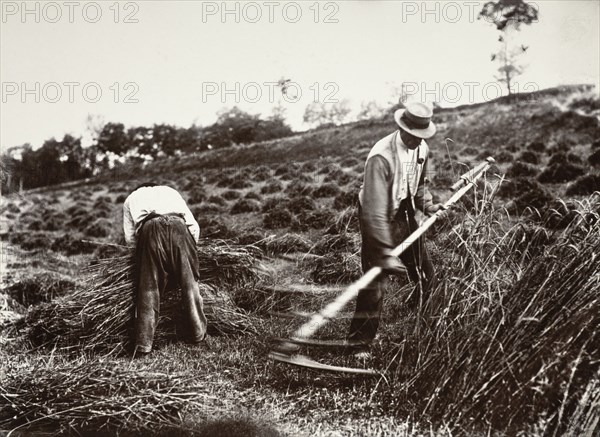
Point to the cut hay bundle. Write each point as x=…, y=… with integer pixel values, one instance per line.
x=99, y=316
x=336, y=268
x=40, y=287
x=96, y=397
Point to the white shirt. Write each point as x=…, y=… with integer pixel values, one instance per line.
x=407, y=158
x=160, y=200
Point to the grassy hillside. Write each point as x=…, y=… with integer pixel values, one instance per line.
x=507, y=342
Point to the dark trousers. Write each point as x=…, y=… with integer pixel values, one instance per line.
x=166, y=250
x=415, y=258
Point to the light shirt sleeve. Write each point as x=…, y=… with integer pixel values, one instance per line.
x=128, y=224
x=192, y=224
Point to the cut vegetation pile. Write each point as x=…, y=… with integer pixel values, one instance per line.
x=62, y=398
x=98, y=316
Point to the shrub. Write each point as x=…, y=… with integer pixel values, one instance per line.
x=596, y=144
x=557, y=173
x=327, y=189
x=584, y=185
x=273, y=186
x=245, y=205
x=252, y=195
x=277, y=218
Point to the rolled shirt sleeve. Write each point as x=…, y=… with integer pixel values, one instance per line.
x=192, y=224
x=190, y=221
x=128, y=225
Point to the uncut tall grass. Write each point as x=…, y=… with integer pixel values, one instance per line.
x=510, y=335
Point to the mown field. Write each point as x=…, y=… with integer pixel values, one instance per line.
x=507, y=344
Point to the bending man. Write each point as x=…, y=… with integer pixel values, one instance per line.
x=158, y=221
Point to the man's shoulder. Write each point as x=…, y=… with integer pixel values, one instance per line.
x=385, y=141
x=382, y=147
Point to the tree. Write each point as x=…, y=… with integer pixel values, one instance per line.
x=113, y=139
x=319, y=114
x=190, y=139
x=12, y=168
x=507, y=16
x=53, y=163
x=165, y=138
x=370, y=110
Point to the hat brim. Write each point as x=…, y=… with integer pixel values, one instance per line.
x=419, y=133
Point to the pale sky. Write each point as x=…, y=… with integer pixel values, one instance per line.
x=176, y=58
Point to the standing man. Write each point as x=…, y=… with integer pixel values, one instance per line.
x=394, y=185
x=159, y=222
